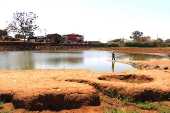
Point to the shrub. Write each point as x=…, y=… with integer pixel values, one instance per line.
x=1, y=104
x=114, y=110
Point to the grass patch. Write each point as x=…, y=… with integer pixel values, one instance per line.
x=164, y=109
x=141, y=105
x=5, y=112
x=114, y=110
x=148, y=105
x=1, y=104
x=112, y=93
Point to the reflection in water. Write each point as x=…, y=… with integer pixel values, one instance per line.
x=113, y=66
x=16, y=60
x=69, y=60
x=143, y=57
x=91, y=60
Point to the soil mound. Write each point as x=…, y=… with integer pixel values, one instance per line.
x=37, y=90
x=132, y=78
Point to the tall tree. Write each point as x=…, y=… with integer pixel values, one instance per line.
x=23, y=23
x=3, y=33
x=136, y=35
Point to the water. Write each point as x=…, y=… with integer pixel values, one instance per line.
x=91, y=60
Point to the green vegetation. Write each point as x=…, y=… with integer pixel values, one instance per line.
x=1, y=104
x=5, y=112
x=112, y=93
x=140, y=105
x=160, y=108
x=138, y=40
x=147, y=105
x=164, y=109
x=136, y=36
x=114, y=110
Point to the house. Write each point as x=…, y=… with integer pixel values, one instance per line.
x=73, y=38
x=167, y=41
x=41, y=39
x=93, y=42
x=32, y=39
x=144, y=39
x=54, y=38
x=10, y=38
x=20, y=37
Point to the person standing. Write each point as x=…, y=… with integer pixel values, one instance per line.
x=113, y=56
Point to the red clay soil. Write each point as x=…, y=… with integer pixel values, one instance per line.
x=39, y=90
x=153, y=64
x=69, y=89
x=140, y=50
x=157, y=88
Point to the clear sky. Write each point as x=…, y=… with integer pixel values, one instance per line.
x=95, y=19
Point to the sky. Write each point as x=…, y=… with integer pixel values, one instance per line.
x=102, y=20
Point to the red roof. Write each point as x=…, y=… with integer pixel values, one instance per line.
x=75, y=35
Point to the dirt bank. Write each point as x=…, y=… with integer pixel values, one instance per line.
x=70, y=89
x=21, y=46
x=40, y=90
x=163, y=65
x=156, y=50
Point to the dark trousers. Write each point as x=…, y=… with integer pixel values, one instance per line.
x=113, y=57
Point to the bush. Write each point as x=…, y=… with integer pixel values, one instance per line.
x=138, y=44
x=1, y=104
x=114, y=110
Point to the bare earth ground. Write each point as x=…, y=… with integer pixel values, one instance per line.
x=153, y=64
x=82, y=91
x=139, y=50
x=58, y=90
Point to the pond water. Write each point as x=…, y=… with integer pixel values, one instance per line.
x=91, y=60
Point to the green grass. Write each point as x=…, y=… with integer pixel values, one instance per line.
x=114, y=110
x=164, y=109
x=142, y=105
x=1, y=104
x=148, y=105
x=112, y=93
x=5, y=112
x=154, y=106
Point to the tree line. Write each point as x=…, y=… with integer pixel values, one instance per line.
x=139, y=40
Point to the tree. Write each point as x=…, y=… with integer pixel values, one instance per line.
x=159, y=40
x=24, y=23
x=167, y=40
x=136, y=35
x=3, y=33
x=118, y=41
